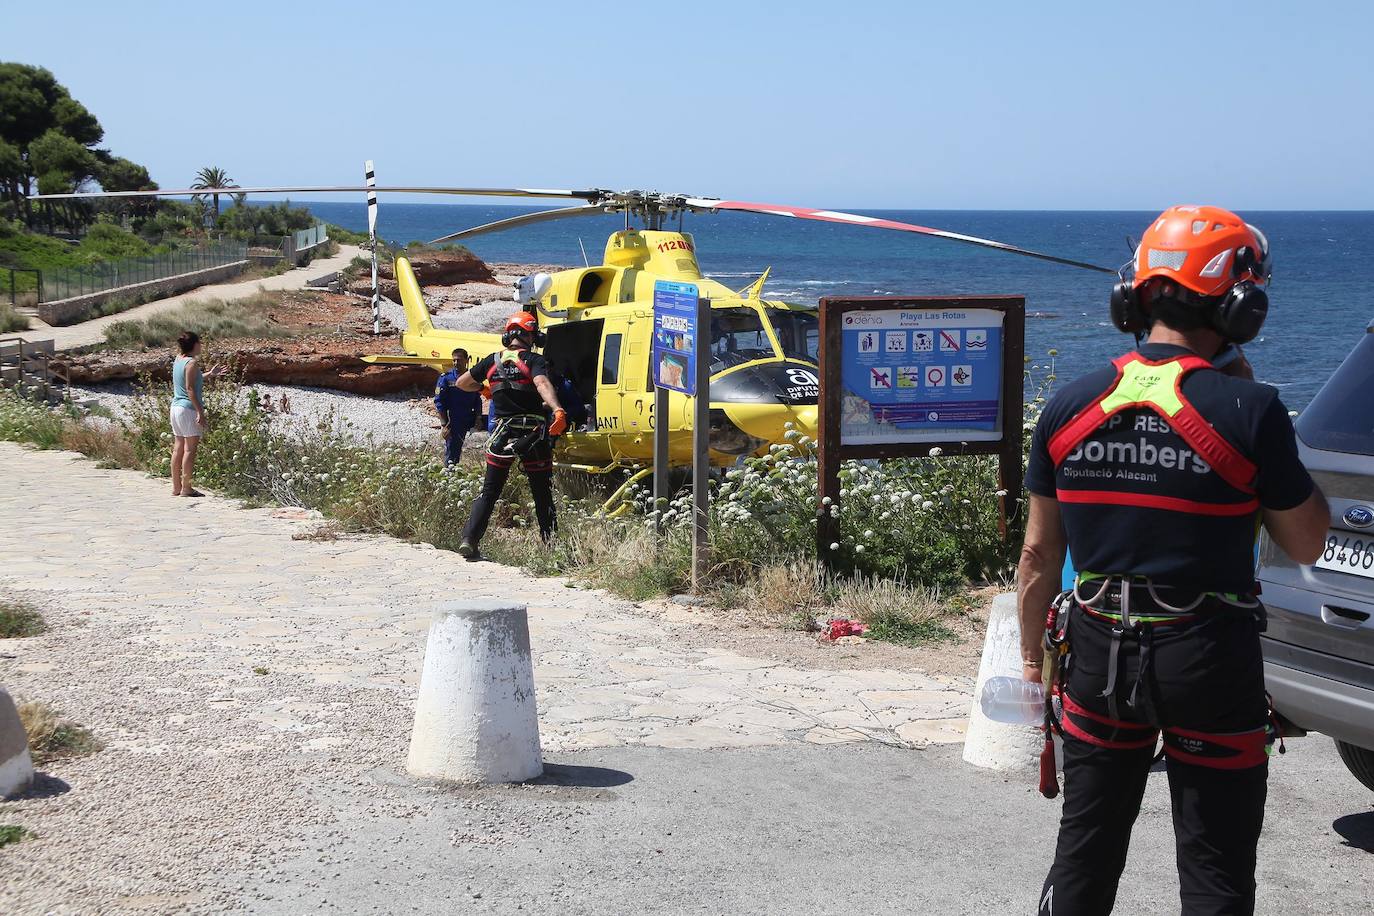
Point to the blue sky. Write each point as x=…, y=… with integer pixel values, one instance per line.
x=992, y=105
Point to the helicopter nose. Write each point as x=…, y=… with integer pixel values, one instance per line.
x=769, y=422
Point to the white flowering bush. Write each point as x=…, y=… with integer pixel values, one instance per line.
x=925, y=523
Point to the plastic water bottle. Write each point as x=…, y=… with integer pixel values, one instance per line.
x=1013, y=701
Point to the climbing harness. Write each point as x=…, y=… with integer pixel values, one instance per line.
x=515, y=437
x=1134, y=606
x=509, y=372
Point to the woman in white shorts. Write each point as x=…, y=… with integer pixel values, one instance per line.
x=188, y=412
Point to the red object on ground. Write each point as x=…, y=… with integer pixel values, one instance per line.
x=841, y=626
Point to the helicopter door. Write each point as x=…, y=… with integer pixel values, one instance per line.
x=573, y=351
x=609, y=384
x=637, y=413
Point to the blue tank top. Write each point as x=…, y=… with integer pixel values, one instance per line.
x=179, y=396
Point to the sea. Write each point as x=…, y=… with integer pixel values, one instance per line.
x=1320, y=299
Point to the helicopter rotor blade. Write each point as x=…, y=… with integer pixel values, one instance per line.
x=589, y=195
x=873, y=222
x=527, y=219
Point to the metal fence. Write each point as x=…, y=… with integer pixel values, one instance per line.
x=20, y=284
x=94, y=278
x=309, y=238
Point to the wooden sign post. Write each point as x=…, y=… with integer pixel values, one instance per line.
x=905, y=377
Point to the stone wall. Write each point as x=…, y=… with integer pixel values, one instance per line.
x=70, y=311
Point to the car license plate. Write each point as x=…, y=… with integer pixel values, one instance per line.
x=1348, y=553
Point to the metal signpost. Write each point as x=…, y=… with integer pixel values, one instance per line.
x=681, y=363
x=901, y=377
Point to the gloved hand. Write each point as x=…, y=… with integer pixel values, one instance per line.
x=445, y=429
x=559, y=425
x=486, y=390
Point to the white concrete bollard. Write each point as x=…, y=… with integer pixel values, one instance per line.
x=996, y=745
x=16, y=766
x=475, y=718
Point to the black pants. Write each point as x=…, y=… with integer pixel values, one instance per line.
x=538, y=467
x=1204, y=686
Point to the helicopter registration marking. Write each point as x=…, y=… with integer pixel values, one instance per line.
x=675, y=245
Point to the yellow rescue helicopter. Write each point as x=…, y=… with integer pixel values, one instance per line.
x=598, y=322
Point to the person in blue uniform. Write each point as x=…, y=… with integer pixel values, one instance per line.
x=457, y=409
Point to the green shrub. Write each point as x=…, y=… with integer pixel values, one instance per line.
x=22, y=420
x=346, y=236
x=13, y=833
x=108, y=242
x=19, y=619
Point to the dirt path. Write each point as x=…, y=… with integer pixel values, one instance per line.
x=232, y=670
x=93, y=331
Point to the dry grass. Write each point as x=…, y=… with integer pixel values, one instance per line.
x=894, y=611
x=213, y=319
x=621, y=558
x=106, y=443
x=19, y=619
x=53, y=737
x=10, y=320
x=787, y=594
x=330, y=531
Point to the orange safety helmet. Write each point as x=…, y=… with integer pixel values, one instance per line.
x=1211, y=259
x=522, y=325
x=522, y=321
x=1205, y=249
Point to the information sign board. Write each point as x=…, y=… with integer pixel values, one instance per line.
x=675, y=335
x=921, y=375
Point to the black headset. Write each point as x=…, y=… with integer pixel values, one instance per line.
x=536, y=339
x=1236, y=316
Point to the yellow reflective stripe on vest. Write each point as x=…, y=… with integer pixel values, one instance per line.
x=1142, y=383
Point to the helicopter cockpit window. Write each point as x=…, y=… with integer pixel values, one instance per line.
x=738, y=336
x=799, y=334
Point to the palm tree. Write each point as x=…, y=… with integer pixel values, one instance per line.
x=213, y=177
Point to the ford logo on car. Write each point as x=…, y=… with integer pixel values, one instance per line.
x=1359, y=516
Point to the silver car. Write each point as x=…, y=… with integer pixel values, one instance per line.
x=1319, y=647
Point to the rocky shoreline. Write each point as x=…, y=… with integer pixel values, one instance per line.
x=331, y=331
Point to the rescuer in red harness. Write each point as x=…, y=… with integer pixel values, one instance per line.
x=1156, y=473
x=528, y=419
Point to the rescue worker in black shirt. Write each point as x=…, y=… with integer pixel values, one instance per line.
x=1156, y=473
x=528, y=416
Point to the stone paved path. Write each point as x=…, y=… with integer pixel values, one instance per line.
x=93, y=331
x=221, y=586
x=254, y=692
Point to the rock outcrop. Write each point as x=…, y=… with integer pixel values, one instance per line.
x=433, y=267
x=268, y=365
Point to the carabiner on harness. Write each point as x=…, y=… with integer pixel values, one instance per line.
x=1057, y=649
x=516, y=435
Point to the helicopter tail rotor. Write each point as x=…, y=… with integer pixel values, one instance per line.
x=370, y=175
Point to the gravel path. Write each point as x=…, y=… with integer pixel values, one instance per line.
x=393, y=418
